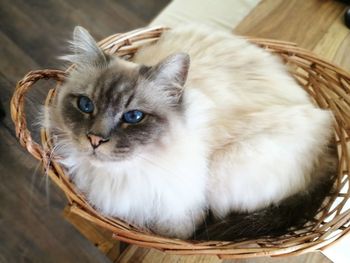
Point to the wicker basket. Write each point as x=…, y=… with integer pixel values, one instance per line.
x=326, y=83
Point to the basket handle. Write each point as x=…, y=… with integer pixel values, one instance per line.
x=17, y=108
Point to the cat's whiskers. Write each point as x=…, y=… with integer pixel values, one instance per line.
x=60, y=144
x=47, y=190
x=193, y=221
x=32, y=182
x=46, y=176
x=204, y=220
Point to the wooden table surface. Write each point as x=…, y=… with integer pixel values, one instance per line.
x=32, y=33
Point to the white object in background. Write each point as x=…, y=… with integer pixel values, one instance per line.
x=225, y=14
x=340, y=251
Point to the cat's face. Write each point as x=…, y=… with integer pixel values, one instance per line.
x=110, y=109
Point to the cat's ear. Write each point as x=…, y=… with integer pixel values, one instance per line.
x=85, y=49
x=169, y=76
x=173, y=69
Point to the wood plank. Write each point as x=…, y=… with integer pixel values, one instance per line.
x=101, y=238
x=335, y=44
x=52, y=22
x=299, y=21
x=14, y=20
x=109, y=17
x=143, y=7
x=143, y=255
x=314, y=25
x=12, y=54
x=342, y=57
x=30, y=229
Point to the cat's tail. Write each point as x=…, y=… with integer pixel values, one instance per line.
x=275, y=220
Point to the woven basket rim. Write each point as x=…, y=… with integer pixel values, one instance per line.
x=125, y=45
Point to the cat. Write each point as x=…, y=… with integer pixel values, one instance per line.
x=201, y=135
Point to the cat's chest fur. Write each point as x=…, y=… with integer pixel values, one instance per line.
x=156, y=187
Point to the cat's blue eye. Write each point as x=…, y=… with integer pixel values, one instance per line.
x=133, y=116
x=85, y=104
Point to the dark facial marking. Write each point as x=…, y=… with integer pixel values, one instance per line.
x=114, y=90
x=129, y=100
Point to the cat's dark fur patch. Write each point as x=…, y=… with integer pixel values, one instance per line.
x=278, y=219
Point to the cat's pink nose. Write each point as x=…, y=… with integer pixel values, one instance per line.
x=96, y=140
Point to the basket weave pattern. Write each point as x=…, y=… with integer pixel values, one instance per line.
x=327, y=84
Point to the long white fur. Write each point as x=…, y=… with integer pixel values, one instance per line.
x=163, y=187
x=251, y=138
x=265, y=134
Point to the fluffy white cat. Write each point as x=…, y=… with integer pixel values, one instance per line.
x=199, y=121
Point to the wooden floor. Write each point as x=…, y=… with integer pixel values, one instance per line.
x=32, y=34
